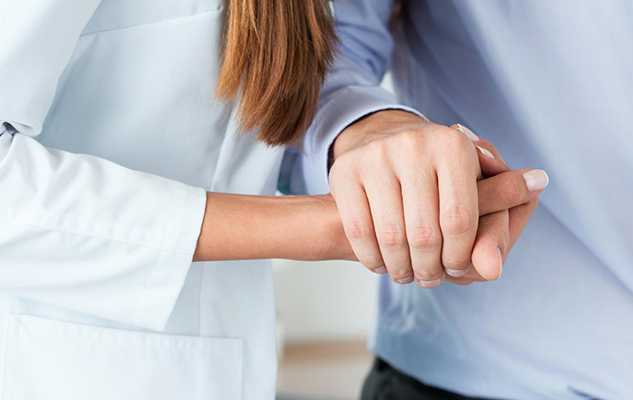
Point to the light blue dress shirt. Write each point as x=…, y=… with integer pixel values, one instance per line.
x=550, y=83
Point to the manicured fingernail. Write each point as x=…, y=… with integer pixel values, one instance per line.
x=457, y=273
x=485, y=152
x=406, y=280
x=536, y=180
x=500, y=261
x=381, y=270
x=431, y=284
x=468, y=133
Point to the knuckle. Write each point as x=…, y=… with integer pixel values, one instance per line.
x=376, y=150
x=455, y=262
x=372, y=264
x=400, y=273
x=392, y=236
x=424, y=237
x=428, y=274
x=455, y=141
x=411, y=144
x=359, y=231
x=458, y=220
x=410, y=137
x=442, y=130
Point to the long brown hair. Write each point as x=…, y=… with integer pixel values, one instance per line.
x=275, y=57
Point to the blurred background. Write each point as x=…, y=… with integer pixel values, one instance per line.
x=325, y=311
x=324, y=314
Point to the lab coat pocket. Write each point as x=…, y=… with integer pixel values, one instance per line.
x=47, y=359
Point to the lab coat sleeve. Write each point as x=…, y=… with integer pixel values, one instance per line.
x=77, y=231
x=352, y=90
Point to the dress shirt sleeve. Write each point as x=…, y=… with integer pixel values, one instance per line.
x=77, y=231
x=352, y=90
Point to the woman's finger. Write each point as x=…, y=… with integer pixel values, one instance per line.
x=510, y=189
x=493, y=230
x=492, y=243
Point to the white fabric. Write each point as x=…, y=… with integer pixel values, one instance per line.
x=45, y=355
x=111, y=138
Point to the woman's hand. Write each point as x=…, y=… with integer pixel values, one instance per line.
x=408, y=197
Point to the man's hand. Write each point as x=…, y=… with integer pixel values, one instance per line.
x=409, y=200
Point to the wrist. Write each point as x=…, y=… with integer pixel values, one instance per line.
x=238, y=227
x=333, y=243
x=381, y=123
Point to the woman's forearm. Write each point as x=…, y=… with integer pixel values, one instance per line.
x=240, y=227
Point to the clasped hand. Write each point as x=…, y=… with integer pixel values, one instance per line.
x=428, y=203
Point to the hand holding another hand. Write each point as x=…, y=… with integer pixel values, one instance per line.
x=411, y=194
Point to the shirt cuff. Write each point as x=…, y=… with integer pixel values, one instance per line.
x=337, y=111
x=158, y=297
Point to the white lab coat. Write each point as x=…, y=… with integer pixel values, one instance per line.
x=111, y=139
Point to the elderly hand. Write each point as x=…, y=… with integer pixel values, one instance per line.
x=410, y=196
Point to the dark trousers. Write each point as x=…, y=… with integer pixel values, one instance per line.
x=386, y=383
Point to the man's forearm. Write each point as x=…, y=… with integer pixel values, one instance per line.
x=239, y=227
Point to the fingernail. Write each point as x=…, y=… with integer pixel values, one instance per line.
x=468, y=133
x=457, y=273
x=381, y=270
x=485, y=152
x=431, y=284
x=406, y=280
x=500, y=261
x=536, y=179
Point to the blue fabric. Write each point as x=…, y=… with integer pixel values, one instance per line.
x=550, y=84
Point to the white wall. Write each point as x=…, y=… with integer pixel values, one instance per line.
x=321, y=301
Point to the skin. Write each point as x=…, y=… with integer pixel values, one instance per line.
x=318, y=227
x=240, y=227
x=408, y=191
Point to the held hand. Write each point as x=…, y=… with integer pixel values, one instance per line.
x=501, y=223
x=408, y=197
